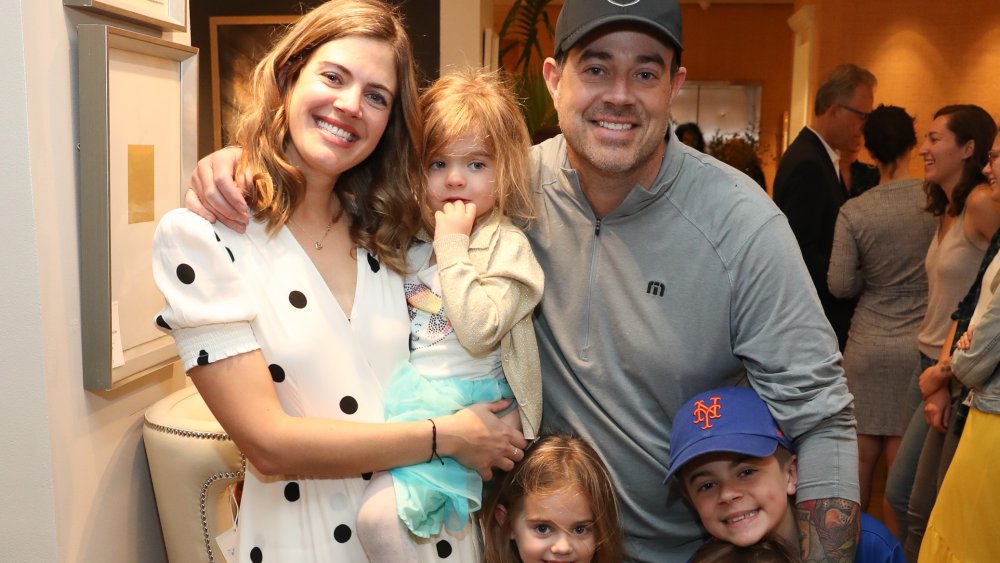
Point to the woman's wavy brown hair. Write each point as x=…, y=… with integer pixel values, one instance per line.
x=553, y=464
x=968, y=123
x=377, y=192
x=482, y=104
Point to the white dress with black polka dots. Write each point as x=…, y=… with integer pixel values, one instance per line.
x=229, y=293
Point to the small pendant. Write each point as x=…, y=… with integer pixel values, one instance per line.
x=318, y=246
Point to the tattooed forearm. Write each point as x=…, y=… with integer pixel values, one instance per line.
x=829, y=529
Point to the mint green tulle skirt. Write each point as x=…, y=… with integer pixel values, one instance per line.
x=438, y=492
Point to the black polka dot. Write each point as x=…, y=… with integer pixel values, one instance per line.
x=161, y=322
x=202, y=358
x=256, y=555
x=349, y=405
x=367, y=476
x=185, y=273
x=277, y=373
x=297, y=299
x=444, y=549
x=342, y=533
x=292, y=491
x=231, y=257
x=373, y=264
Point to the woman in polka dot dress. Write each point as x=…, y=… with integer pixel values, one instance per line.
x=292, y=329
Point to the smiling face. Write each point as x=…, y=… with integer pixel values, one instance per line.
x=992, y=169
x=613, y=94
x=464, y=170
x=339, y=107
x=554, y=527
x=742, y=499
x=944, y=158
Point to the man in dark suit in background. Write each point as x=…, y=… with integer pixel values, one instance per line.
x=808, y=187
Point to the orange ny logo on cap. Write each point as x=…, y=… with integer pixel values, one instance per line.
x=703, y=414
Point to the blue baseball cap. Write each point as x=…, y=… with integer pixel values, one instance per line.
x=730, y=419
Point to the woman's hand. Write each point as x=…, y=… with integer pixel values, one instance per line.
x=478, y=439
x=965, y=342
x=934, y=378
x=214, y=194
x=937, y=409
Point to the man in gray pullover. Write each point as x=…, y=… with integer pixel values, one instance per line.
x=670, y=273
x=667, y=273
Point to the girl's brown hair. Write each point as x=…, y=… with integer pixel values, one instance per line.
x=968, y=123
x=482, y=105
x=377, y=192
x=767, y=550
x=553, y=464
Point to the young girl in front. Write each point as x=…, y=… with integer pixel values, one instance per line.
x=470, y=293
x=557, y=504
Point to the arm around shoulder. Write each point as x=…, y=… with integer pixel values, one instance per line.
x=793, y=361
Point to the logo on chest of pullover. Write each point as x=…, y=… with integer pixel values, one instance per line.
x=655, y=288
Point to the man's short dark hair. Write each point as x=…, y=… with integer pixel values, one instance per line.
x=840, y=85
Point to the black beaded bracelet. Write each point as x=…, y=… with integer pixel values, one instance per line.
x=434, y=443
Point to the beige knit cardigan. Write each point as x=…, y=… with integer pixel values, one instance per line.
x=490, y=284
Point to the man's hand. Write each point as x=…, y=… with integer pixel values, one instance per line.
x=457, y=217
x=829, y=529
x=214, y=194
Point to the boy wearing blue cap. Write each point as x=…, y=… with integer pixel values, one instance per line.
x=737, y=469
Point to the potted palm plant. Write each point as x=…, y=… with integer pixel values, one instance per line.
x=525, y=24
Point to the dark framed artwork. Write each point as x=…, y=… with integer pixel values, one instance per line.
x=237, y=43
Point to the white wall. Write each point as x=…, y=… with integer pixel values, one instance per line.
x=27, y=518
x=462, y=22
x=75, y=481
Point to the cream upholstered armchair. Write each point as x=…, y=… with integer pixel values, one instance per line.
x=193, y=464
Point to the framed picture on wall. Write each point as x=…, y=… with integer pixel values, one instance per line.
x=138, y=123
x=161, y=14
x=237, y=43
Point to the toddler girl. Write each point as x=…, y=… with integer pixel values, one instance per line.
x=470, y=294
x=558, y=503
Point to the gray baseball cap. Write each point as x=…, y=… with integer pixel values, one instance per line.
x=579, y=17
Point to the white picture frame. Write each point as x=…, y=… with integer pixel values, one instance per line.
x=138, y=139
x=168, y=15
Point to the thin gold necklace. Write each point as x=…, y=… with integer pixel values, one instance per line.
x=318, y=244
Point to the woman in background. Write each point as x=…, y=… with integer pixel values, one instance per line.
x=879, y=245
x=963, y=525
x=954, y=153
